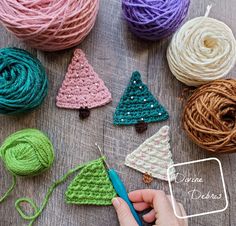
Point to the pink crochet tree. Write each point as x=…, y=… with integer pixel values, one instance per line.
x=82, y=88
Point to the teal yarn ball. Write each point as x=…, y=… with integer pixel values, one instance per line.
x=27, y=152
x=23, y=81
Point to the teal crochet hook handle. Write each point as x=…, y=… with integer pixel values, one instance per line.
x=121, y=191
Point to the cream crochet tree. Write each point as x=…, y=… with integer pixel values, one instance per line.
x=153, y=156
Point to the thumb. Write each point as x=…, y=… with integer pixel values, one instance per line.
x=123, y=212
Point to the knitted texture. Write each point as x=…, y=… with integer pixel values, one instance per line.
x=82, y=86
x=23, y=81
x=153, y=156
x=138, y=104
x=91, y=186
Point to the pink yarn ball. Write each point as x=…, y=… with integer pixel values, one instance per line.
x=49, y=25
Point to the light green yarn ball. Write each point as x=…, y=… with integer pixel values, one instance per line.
x=27, y=152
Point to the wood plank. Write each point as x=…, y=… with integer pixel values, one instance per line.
x=114, y=53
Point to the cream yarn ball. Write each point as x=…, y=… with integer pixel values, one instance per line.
x=202, y=50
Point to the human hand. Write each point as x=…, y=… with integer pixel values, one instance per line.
x=162, y=212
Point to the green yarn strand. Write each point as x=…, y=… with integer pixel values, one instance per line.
x=27, y=152
x=23, y=81
x=10, y=189
x=38, y=211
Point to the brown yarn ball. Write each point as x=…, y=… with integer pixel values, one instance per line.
x=209, y=116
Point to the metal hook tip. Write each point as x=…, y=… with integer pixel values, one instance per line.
x=102, y=154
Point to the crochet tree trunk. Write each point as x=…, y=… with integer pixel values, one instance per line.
x=138, y=106
x=82, y=88
x=153, y=157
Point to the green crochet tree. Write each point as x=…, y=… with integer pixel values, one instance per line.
x=138, y=106
x=91, y=186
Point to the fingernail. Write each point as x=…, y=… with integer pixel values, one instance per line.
x=115, y=202
x=144, y=216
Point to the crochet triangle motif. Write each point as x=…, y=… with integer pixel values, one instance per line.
x=138, y=105
x=82, y=87
x=91, y=186
x=153, y=156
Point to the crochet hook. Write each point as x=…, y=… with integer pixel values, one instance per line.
x=119, y=187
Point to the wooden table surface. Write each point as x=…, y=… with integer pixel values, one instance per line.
x=114, y=53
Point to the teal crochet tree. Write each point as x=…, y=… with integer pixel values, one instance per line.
x=138, y=106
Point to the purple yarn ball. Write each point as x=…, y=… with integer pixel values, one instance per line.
x=154, y=19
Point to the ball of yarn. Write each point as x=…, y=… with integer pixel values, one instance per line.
x=154, y=20
x=202, y=50
x=23, y=81
x=209, y=116
x=49, y=24
x=27, y=152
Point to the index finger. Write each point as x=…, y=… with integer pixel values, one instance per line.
x=156, y=198
x=144, y=195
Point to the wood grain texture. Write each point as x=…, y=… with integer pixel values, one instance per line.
x=114, y=53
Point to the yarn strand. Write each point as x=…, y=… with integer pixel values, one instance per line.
x=10, y=189
x=39, y=210
x=208, y=10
